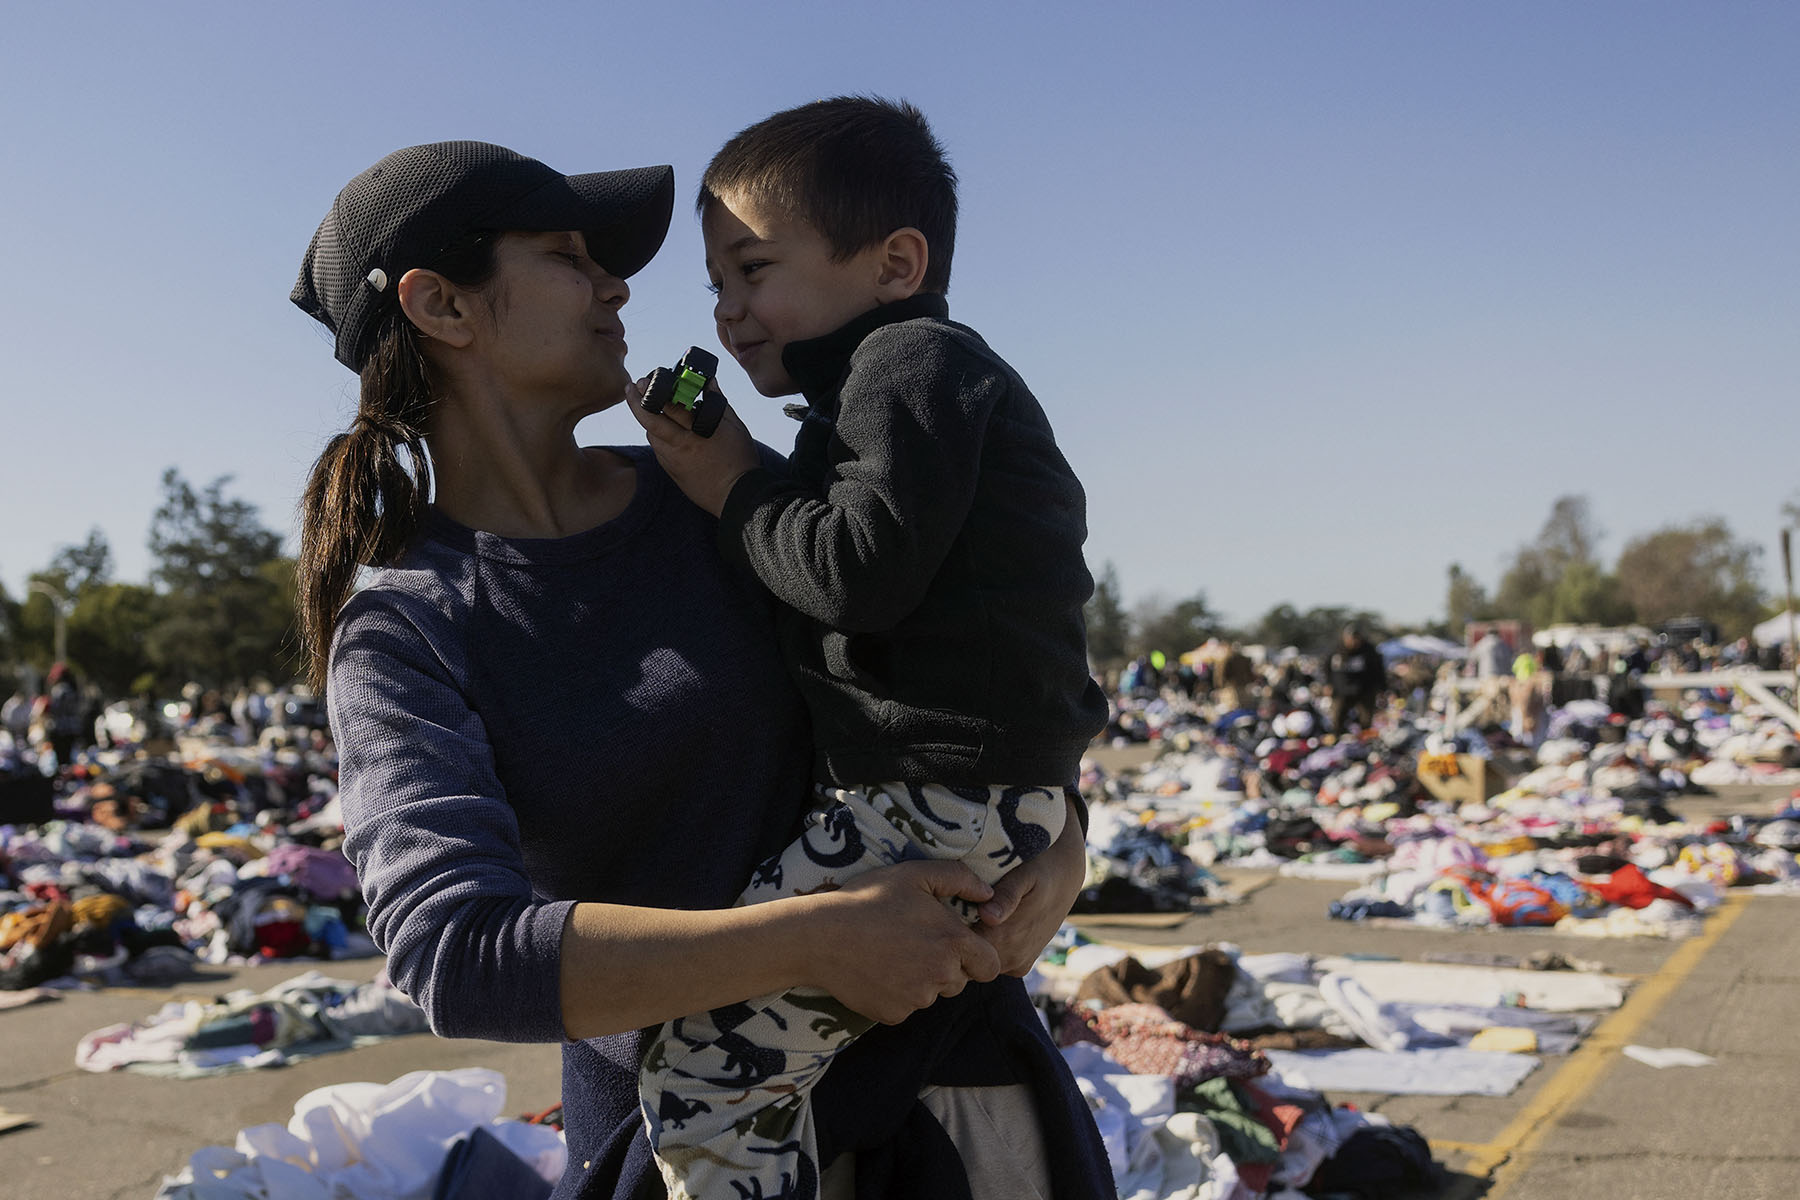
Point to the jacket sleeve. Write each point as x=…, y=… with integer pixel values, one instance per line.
x=435, y=844
x=857, y=550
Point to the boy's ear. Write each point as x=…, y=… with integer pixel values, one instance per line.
x=436, y=306
x=904, y=256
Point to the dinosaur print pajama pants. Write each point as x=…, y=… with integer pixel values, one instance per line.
x=726, y=1094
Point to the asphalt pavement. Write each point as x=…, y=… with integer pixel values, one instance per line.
x=1593, y=1123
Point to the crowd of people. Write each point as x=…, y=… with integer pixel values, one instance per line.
x=1341, y=689
x=61, y=724
x=47, y=728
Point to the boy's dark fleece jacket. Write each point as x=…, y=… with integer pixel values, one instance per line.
x=925, y=539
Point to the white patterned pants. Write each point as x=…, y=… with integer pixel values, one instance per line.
x=726, y=1094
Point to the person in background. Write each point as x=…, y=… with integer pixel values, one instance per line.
x=1358, y=677
x=58, y=713
x=15, y=717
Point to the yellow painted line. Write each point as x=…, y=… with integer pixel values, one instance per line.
x=1254, y=888
x=1504, y=1158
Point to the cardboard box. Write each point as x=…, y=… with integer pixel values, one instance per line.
x=1460, y=778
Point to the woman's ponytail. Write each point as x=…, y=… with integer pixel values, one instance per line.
x=363, y=504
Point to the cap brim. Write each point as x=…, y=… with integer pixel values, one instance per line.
x=624, y=215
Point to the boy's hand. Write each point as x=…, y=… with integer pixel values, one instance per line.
x=704, y=468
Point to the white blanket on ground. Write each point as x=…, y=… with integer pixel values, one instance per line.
x=1443, y=1072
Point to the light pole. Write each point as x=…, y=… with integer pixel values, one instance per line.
x=58, y=605
x=1787, y=574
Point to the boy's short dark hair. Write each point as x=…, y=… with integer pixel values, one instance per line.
x=855, y=167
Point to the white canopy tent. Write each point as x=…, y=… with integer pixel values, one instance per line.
x=1409, y=644
x=1774, y=631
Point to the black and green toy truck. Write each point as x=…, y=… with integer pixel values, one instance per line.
x=684, y=386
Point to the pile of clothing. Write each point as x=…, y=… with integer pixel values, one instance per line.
x=152, y=866
x=1582, y=832
x=426, y=1134
x=1134, y=866
x=1206, y=1068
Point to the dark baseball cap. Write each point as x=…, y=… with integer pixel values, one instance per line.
x=410, y=207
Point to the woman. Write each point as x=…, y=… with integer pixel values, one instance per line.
x=565, y=736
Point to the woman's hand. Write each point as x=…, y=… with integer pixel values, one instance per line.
x=1031, y=900
x=885, y=944
x=704, y=468
x=891, y=946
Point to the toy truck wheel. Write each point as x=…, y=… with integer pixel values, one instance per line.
x=659, y=389
x=709, y=410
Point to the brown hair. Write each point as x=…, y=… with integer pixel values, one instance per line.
x=855, y=168
x=363, y=504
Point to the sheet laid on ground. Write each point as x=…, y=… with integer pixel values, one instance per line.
x=1427, y=1072
x=308, y=1015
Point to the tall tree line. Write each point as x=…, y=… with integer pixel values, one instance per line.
x=1117, y=634
x=1696, y=568
x=218, y=608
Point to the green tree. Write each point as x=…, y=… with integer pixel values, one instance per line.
x=278, y=617
x=9, y=627
x=1558, y=576
x=1316, y=630
x=1282, y=625
x=73, y=573
x=1108, y=628
x=109, y=630
x=1465, y=600
x=224, y=616
x=1174, y=629
x=1695, y=570
x=75, y=568
x=1587, y=595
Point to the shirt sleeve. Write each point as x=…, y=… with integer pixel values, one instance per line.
x=858, y=550
x=434, y=841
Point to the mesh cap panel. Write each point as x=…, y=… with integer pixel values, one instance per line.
x=408, y=208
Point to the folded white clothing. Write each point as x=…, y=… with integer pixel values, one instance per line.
x=1370, y=1020
x=1668, y=1056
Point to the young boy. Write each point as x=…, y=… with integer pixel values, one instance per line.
x=925, y=543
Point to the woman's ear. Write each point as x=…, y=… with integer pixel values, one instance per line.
x=904, y=255
x=437, y=307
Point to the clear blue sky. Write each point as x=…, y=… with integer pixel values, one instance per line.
x=1320, y=297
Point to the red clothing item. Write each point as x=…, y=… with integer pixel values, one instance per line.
x=1280, y=1118
x=282, y=939
x=1630, y=887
